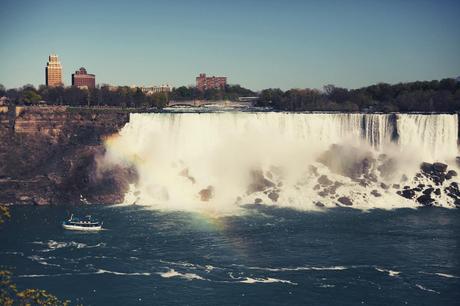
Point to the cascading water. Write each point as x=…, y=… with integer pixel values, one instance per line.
x=221, y=161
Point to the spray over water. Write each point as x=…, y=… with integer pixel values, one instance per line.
x=218, y=162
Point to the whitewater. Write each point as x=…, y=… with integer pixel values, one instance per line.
x=220, y=162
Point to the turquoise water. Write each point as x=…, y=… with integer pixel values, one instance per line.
x=267, y=256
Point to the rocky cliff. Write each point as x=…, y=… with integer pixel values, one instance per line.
x=51, y=155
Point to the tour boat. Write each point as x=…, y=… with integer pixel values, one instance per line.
x=86, y=223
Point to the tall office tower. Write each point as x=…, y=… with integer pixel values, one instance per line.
x=53, y=71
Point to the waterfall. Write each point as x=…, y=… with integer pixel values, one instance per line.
x=220, y=161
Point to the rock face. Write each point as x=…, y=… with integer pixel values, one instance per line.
x=52, y=155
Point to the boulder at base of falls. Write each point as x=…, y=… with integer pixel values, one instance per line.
x=319, y=204
x=407, y=193
x=259, y=182
x=206, y=194
x=428, y=191
x=324, y=181
x=273, y=196
x=435, y=172
x=439, y=167
x=450, y=174
x=345, y=201
x=425, y=199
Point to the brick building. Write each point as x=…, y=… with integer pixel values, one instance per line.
x=82, y=79
x=203, y=82
x=53, y=71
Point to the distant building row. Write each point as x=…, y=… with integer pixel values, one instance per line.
x=82, y=79
x=53, y=75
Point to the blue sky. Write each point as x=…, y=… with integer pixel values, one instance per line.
x=258, y=44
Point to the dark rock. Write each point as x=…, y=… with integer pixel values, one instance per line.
x=396, y=186
x=384, y=186
x=206, y=194
x=426, y=167
x=375, y=193
x=319, y=204
x=317, y=187
x=323, y=180
x=439, y=167
x=345, y=201
x=421, y=185
x=406, y=187
x=259, y=182
x=407, y=193
x=437, y=191
x=257, y=201
x=323, y=193
x=428, y=191
x=425, y=200
x=450, y=174
x=273, y=196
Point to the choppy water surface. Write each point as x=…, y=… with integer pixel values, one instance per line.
x=268, y=256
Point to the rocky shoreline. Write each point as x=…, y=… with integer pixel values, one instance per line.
x=50, y=155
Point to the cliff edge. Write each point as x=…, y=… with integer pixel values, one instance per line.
x=51, y=155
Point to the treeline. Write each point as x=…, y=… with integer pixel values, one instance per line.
x=429, y=96
x=426, y=96
x=122, y=96
x=73, y=96
x=229, y=92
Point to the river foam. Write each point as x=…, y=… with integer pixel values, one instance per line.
x=218, y=162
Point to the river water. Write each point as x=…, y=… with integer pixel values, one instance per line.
x=262, y=256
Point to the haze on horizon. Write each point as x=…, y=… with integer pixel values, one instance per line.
x=258, y=44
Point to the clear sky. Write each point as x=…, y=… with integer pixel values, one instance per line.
x=258, y=44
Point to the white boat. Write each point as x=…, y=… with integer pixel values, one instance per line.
x=82, y=224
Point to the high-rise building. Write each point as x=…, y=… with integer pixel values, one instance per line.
x=203, y=82
x=82, y=79
x=53, y=71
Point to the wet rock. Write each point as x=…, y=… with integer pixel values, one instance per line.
x=384, y=186
x=319, y=204
x=426, y=167
x=425, y=199
x=450, y=174
x=324, y=180
x=396, y=186
x=421, y=185
x=185, y=173
x=406, y=187
x=439, y=167
x=428, y=191
x=437, y=191
x=323, y=193
x=375, y=193
x=407, y=193
x=317, y=187
x=345, y=201
x=259, y=182
x=273, y=196
x=257, y=201
x=206, y=194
